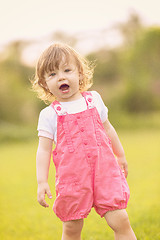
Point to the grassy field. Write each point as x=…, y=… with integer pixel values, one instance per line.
x=22, y=218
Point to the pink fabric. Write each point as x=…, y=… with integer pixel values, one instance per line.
x=87, y=172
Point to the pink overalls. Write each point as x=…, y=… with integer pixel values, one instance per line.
x=87, y=172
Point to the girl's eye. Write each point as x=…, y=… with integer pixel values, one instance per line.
x=52, y=74
x=67, y=70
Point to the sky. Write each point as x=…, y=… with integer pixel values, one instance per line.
x=35, y=19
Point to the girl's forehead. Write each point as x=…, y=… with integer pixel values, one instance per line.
x=65, y=61
x=59, y=60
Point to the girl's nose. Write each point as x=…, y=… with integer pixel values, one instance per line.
x=61, y=76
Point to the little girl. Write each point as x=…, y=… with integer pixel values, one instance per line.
x=87, y=172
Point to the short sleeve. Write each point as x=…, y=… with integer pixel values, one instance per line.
x=47, y=123
x=102, y=109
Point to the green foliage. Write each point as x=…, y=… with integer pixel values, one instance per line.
x=107, y=69
x=17, y=101
x=135, y=69
x=22, y=218
x=127, y=77
x=143, y=73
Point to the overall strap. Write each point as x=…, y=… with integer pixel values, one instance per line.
x=89, y=99
x=90, y=104
x=58, y=108
x=60, y=111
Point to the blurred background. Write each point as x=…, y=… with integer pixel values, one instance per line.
x=123, y=38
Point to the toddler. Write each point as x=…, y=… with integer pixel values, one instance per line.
x=87, y=172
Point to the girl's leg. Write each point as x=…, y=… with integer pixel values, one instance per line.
x=118, y=220
x=72, y=230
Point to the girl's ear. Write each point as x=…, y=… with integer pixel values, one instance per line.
x=80, y=77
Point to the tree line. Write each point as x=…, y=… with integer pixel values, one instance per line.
x=128, y=76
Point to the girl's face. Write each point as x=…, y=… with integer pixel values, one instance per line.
x=63, y=82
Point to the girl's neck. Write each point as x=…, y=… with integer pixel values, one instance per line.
x=71, y=99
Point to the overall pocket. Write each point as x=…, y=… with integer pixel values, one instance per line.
x=68, y=186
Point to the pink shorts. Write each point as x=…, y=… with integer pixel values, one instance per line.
x=92, y=187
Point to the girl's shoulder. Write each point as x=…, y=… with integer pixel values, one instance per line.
x=94, y=93
x=96, y=96
x=47, y=123
x=47, y=112
x=101, y=107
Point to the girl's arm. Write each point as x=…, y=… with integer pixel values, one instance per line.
x=42, y=165
x=116, y=146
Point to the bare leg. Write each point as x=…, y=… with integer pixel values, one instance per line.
x=72, y=230
x=118, y=220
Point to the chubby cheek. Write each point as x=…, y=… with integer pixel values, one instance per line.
x=50, y=85
x=51, y=88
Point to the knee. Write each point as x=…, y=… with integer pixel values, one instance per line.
x=118, y=221
x=123, y=225
x=73, y=228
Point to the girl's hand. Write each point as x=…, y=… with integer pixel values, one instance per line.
x=123, y=165
x=43, y=188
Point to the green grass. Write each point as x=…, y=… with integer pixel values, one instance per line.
x=22, y=218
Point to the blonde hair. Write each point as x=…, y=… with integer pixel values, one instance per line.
x=51, y=59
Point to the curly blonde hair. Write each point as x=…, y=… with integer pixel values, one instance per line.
x=51, y=59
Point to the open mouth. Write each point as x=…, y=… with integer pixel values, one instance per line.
x=64, y=87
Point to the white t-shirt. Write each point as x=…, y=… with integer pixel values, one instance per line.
x=47, y=124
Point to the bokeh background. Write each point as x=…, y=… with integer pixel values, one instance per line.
x=123, y=38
